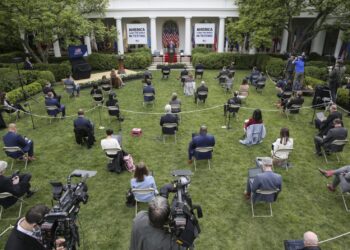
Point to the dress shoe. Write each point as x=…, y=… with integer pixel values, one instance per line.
x=246, y=195
x=330, y=187
x=323, y=172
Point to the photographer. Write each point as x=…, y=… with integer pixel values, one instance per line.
x=26, y=235
x=148, y=232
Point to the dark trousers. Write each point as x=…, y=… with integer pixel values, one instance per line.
x=318, y=143
x=29, y=148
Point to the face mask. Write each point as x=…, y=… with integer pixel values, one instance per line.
x=37, y=232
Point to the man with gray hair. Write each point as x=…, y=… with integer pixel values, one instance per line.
x=265, y=179
x=17, y=184
x=148, y=228
x=202, y=88
x=310, y=241
x=167, y=119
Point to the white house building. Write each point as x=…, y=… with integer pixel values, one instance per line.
x=189, y=23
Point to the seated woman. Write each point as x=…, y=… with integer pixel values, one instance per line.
x=244, y=89
x=175, y=104
x=283, y=142
x=8, y=107
x=255, y=119
x=142, y=179
x=254, y=129
x=105, y=84
x=116, y=80
x=189, y=86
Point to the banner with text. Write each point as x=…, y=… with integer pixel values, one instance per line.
x=137, y=33
x=204, y=33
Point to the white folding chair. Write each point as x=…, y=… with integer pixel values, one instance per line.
x=51, y=108
x=175, y=110
x=148, y=102
x=141, y=191
x=337, y=146
x=233, y=114
x=97, y=98
x=202, y=96
x=5, y=195
x=113, y=109
x=285, y=151
x=14, y=150
x=202, y=150
x=169, y=126
x=262, y=193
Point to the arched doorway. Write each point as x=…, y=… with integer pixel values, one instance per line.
x=170, y=33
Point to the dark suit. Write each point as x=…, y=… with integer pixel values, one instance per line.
x=168, y=118
x=113, y=102
x=21, y=241
x=199, y=69
x=12, y=139
x=201, y=141
x=333, y=134
x=199, y=89
x=148, y=89
x=327, y=124
x=232, y=101
x=265, y=181
x=17, y=190
x=55, y=102
x=165, y=71
x=299, y=100
x=84, y=128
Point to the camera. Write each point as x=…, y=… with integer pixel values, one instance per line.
x=183, y=221
x=62, y=218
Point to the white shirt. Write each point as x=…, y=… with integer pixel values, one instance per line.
x=110, y=145
x=277, y=145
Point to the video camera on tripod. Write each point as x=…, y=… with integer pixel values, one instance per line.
x=183, y=221
x=62, y=218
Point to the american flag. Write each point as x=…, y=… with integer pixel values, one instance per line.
x=170, y=34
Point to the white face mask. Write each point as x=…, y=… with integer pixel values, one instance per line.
x=37, y=231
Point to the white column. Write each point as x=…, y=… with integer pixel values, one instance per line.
x=221, y=38
x=284, y=42
x=56, y=47
x=339, y=44
x=87, y=42
x=153, y=34
x=22, y=35
x=188, y=36
x=120, y=36
x=318, y=42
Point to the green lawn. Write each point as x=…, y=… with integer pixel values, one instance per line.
x=304, y=203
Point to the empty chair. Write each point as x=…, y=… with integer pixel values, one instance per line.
x=16, y=153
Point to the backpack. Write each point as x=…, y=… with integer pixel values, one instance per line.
x=129, y=163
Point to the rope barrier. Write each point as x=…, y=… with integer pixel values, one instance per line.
x=336, y=237
x=10, y=227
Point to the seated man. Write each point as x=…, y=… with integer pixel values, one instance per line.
x=199, y=70
x=69, y=82
x=165, y=71
x=17, y=184
x=336, y=133
x=201, y=88
x=175, y=104
x=254, y=75
x=265, y=180
x=83, y=128
x=147, y=75
x=51, y=101
x=280, y=85
x=168, y=118
x=113, y=102
x=310, y=242
x=234, y=100
x=341, y=176
x=326, y=124
x=295, y=100
x=223, y=73
x=12, y=139
x=48, y=88
x=148, y=227
x=183, y=74
x=112, y=148
x=96, y=93
x=201, y=140
x=148, y=89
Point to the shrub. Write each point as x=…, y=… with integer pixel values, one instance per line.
x=320, y=64
x=142, y=50
x=201, y=50
x=16, y=95
x=33, y=75
x=310, y=81
x=8, y=57
x=275, y=67
x=59, y=71
x=315, y=72
x=137, y=60
x=102, y=61
x=8, y=79
x=58, y=59
x=343, y=98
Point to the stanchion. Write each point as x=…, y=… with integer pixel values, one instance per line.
x=99, y=113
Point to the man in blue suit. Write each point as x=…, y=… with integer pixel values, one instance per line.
x=202, y=140
x=83, y=128
x=51, y=101
x=265, y=180
x=149, y=89
x=12, y=139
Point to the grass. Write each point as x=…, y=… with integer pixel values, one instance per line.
x=304, y=203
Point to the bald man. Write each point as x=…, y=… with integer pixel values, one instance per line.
x=12, y=139
x=310, y=241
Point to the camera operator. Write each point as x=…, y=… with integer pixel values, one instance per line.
x=26, y=235
x=148, y=230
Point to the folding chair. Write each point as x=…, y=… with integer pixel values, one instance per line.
x=15, y=150
x=165, y=74
x=106, y=88
x=295, y=107
x=148, y=102
x=233, y=114
x=51, y=110
x=5, y=195
x=97, y=98
x=69, y=90
x=110, y=159
x=343, y=194
x=285, y=163
x=260, y=85
x=200, y=150
x=335, y=147
x=112, y=110
x=172, y=126
x=176, y=109
x=141, y=191
x=202, y=96
x=262, y=193
x=198, y=72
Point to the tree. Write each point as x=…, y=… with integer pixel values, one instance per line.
x=38, y=24
x=263, y=18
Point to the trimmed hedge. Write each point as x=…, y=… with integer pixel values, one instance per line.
x=102, y=61
x=172, y=66
x=60, y=71
x=8, y=57
x=343, y=98
x=215, y=60
x=320, y=64
x=201, y=50
x=275, y=67
x=316, y=72
x=137, y=60
x=16, y=95
x=310, y=81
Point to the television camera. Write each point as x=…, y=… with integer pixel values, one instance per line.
x=183, y=221
x=61, y=221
